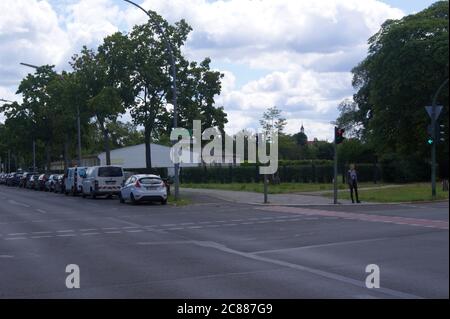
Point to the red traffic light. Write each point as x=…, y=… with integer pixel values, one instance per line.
x=338, y=135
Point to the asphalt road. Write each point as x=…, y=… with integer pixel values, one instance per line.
x=217, y=249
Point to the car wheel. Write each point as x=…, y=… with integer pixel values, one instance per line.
x=132, y=199
x=83, y=195
x=121, y=200
x=93, y=195
x=164, y=202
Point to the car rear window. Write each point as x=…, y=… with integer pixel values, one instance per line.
x=150, y=180
x=110, y=172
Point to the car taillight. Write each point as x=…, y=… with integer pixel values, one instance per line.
x=137, y=185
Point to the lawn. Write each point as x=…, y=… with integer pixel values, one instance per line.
x=276, y=189
x=400, y=193
x=376, y=193
x=182, y=201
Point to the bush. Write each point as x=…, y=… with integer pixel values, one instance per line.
x=397, y=170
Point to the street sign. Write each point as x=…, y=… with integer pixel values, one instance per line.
x=429, y=110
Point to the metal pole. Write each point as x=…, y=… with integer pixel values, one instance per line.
x=174, y=88
x=433, y=134
x=34, y=155
x=265, y=189
x=335, y=190
x=79, y=135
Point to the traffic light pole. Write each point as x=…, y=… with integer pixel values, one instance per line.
x=335, y=190
x=433, y=134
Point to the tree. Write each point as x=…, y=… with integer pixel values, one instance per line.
x=407, y=61
x=37, y=106
x=301, y=139
x=151, y=78
x=272, y=121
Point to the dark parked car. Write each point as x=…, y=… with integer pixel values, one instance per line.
x=24, y=179
x=32, y=181
x=3, y=178
x=39, y=185
x=13, y=179
x=59, y=184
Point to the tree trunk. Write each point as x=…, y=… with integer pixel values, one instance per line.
x=148, y=148
x=47, y=158
x=66, y=152
x=107, y=148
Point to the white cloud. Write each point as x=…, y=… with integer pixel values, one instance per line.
x=306, y=48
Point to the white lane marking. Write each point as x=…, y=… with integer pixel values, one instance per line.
x=16, y=234
x=88, y=229
x=15, y=238
x=180, y=228
x=6, y=256
x=131, y=227
x=45, y=236
x=41, y=211
x=66, y=231
x=41, y=232
x=18, y=203
x=134, y=231
x=66, y=235
x=315, y=271
x=113, y=232
x=90, y=234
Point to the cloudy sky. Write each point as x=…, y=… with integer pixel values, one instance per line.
x=295, y=54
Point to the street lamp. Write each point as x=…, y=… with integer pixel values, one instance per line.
x=174, y=83
x=78, y=122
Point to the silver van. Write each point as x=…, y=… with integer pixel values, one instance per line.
x=103, y=181
x=74, y=180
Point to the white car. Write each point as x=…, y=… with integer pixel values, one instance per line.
x=102, y=180
x=144, y=188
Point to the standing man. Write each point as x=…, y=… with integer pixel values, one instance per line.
x=352, y=179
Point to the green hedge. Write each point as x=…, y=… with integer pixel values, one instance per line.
x=310, y=173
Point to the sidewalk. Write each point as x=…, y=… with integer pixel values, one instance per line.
x=258, y=198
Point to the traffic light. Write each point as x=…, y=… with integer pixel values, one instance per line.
x=338, y=135
x=430, y=140
x=440, y=133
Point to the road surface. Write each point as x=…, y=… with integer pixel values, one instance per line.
x=218, y=249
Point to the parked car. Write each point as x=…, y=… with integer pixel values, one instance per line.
x=74, y=180
x=25, y=177
x=102, y=180
x=31, y=181
x=13, y=179
x=3, y=178
x=59, y=184
x=144, y=188
x=50, y=183
x=39, y=185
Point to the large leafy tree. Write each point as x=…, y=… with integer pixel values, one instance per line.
x=407, y=62
x=105, y=78
x=37, y=106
